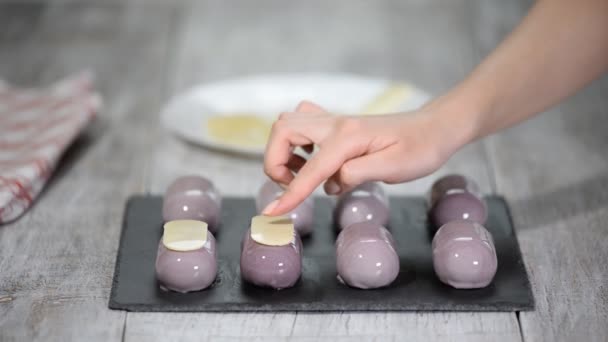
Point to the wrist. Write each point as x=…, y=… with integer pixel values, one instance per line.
x=457, y=117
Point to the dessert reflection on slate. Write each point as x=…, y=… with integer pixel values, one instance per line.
x=463, y=250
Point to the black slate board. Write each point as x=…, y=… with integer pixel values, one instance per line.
x=134, y=287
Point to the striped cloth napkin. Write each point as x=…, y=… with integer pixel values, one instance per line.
x=36, y=127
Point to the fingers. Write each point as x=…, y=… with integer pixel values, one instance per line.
x=289, y=131
x=285, y=174
x=332, y=185
x=279, y=151
x=282, y=175
x=310, y=124
x=370, y=167
x=321, y=166
x=309, y=107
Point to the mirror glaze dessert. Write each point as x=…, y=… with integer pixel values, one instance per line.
x=271, y=253
x=365, y=203
x=302, y=215
x=192, y=198
x=452, y=184
x=464, y=255
x=188, y=262
x=458, y=206
x=366, y=257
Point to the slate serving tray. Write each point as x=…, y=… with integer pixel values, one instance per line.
x=134, y=287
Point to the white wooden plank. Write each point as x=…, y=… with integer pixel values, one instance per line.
x=422, y=326
x=207, y=326
x=59, y=318
x=558, y=194
x=554, y=171
x=390, y=326
x=57, y=261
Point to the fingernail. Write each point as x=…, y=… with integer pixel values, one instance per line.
x=331, y=187
x=270, y=207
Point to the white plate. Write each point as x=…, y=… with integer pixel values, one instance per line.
x=269, y=95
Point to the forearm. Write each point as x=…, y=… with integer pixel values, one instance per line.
x=558, y=48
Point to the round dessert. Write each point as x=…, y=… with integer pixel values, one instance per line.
x=366, y=257
x=271, y=253
x=186, y=260
x=365, y=203
x=193, y=198
x=458, y=206
x=464, y=256
x=302, y=215
x=452, y=184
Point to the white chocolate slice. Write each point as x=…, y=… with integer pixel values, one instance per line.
x=272, y=230
x=184, y=235
x=388, y=101
x=240, y=129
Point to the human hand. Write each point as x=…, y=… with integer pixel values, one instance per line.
x=499, y=93
x=390, y=148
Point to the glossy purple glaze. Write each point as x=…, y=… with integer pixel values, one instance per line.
x=193, y=198
x=464, y=256
x=365, y=203
x=459, y=206
x=366, y=257
x=187, y=271
x=277, y=267
x=452, y=184
x=302, y=215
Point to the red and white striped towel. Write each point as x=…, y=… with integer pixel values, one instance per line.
x=36, y=127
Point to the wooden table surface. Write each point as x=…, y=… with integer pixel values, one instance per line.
x=57, y=261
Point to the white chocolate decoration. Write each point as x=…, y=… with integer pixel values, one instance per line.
x=389, y=100
x=272, y=230
x=184, y=235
